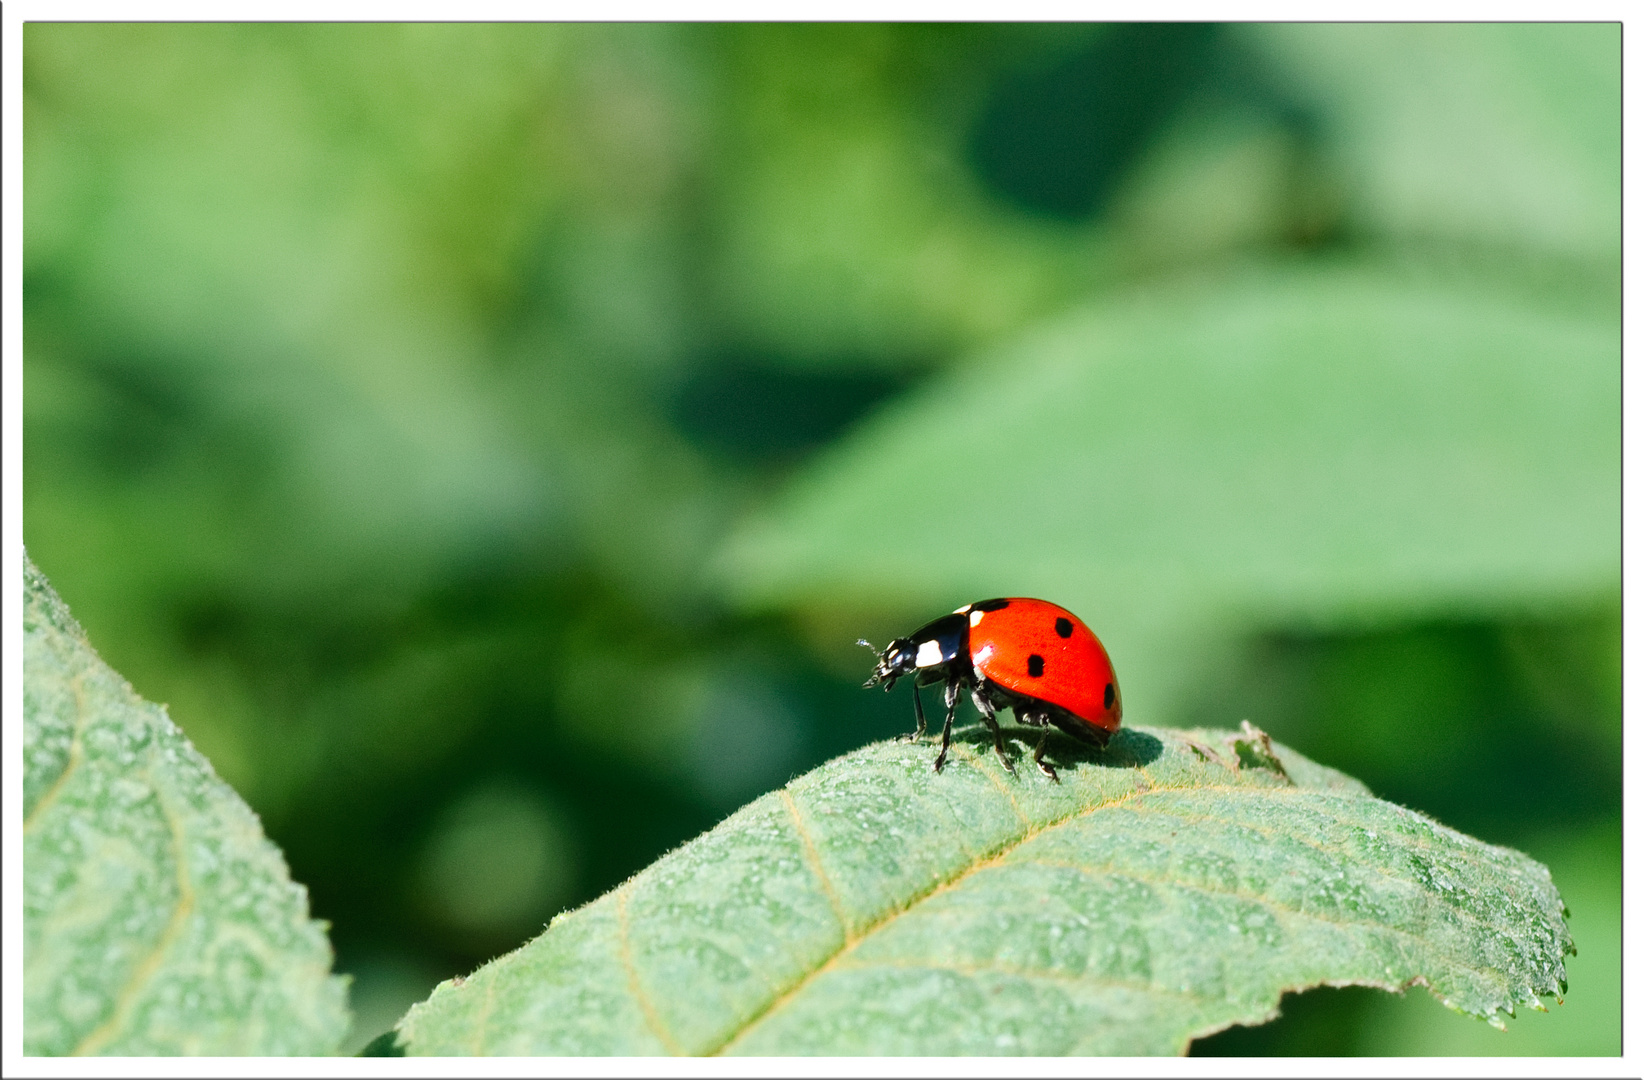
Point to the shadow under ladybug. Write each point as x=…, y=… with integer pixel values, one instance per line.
x=1034, y=657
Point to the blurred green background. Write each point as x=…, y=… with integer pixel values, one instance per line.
x=491, y=440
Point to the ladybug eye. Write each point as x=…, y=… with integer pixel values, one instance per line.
x=1036, y=665
x=1064, y=628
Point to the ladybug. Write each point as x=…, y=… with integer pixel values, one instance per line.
x=1037, y=658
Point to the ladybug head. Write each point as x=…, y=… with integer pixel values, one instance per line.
x=895, y=660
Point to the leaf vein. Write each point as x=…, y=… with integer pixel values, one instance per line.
x=126, y=999
x=1278, y=906
x=477, y=1044
x=813, y=859
x=941, y=886
x=969, y=755
x=77, y=753
x=646, y=1007
x=996, y=858
x=1344, y=854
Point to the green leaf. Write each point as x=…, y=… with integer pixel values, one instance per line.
x=157, y=917
x=1163, y=890
x=1319, y=444
x=1507, y=134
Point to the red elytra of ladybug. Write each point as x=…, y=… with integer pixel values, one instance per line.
x=1037, y=658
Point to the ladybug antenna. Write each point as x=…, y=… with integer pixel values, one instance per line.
x=880, y=675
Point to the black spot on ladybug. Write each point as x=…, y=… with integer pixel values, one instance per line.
x=990, y=605
x=1064, y=628
x=1036, y=665
x=1107, y=697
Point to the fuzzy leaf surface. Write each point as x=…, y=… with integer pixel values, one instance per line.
x=1163, y=890
x=157, y=917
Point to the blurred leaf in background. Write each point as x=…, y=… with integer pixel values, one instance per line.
x=1504, y=138
x=1310, y=445
x=497, y=434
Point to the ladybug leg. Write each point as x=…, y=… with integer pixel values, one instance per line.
x=918, y=711
x=951, y=695
x=1042, y=721
x=1039, y=756
x=979, y=695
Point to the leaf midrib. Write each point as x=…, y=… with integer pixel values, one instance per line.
x=993, y=859
x=840, y=956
